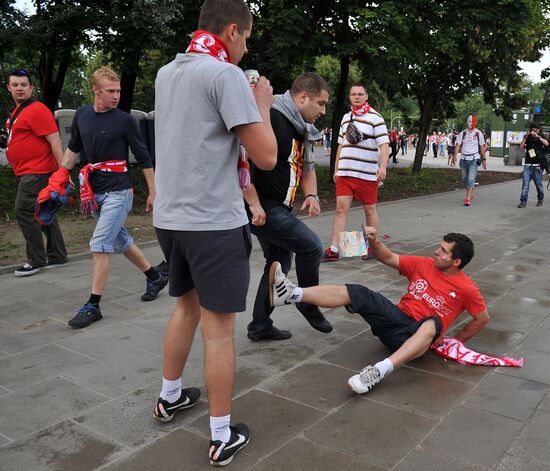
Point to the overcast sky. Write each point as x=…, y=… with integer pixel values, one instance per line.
x=532, y=69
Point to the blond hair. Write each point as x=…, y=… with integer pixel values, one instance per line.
x=104, y=73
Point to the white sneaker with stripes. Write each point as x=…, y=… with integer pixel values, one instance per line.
x=280, y=287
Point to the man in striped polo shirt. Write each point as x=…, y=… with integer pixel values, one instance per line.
x=359, y=167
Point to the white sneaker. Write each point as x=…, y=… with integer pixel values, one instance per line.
x=280, y=287
x=26, y=270
x=363, y=382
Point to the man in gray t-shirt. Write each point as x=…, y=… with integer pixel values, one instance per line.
x=203, y=108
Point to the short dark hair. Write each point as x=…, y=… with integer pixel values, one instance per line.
x=215, y=15
x=309, y=82
x=19, y=73
x=359, y=84
x=463, y=247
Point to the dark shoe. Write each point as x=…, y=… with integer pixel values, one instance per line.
x=221, y=454
x=165, y=411
x=51, y=265
x=162, y=267
x=316, y=319
x=522, y=205
x=539, y=203
x=330, y=256
x=85, y=316
x=26, y=270
x=154, y=287
x=272, y=334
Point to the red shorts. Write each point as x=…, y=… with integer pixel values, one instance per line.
x=365, y=191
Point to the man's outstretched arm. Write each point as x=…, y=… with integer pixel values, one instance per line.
x=473, y=327
x=380, y=251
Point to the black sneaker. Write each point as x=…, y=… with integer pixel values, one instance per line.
x=316, y=318
x=221, y=454
x=164, y=410
x=85, y=316
x=51, y=265
x=273, y=333
x=26, y=270
x=154, y=287
x=162, y=267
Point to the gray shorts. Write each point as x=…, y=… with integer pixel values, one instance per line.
x=215, y=263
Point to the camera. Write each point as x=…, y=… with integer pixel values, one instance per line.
x=3, y=138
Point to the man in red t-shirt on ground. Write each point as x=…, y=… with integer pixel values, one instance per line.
x=438, y=292
x=34, y=151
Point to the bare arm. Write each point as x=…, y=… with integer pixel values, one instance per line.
x=456, y=152
x=55, y=143
x=258, y=138
x=381, y=252
x=70, y=159
x=384, y=156
x=309, y=187
x=251, y=198
x=473, y=327
x=336, y=162
x=149, y=174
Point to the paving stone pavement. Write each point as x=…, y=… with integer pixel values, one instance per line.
x=83, y=399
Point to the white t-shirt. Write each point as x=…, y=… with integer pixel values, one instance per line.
x=361, y=160
x=198, y=102
x=470, y=142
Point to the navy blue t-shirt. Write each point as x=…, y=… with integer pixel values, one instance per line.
x=106, y=136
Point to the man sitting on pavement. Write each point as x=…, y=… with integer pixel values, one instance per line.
x=271, y=196
x=104, y=133
x=437, y=294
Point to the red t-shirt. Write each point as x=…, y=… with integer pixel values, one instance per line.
x=432, y=293
x=28, y=151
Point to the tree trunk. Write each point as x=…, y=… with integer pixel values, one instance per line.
x=127, y=86
x=338, y=112
x=427, y=105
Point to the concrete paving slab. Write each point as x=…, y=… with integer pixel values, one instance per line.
x=422, y=460
x=480, y=435
x=516, y=463
x=375, y=436
x=534, y=441
x=44, y=404
x=300, y=454
x=535, y=368
x=128, y=420
x=262, y=411
x=39, y=364
x=506, y=402
x=65, y=446
x=180, y=449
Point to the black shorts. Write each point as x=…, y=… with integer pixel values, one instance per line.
x=391, y=325
x=215, y=263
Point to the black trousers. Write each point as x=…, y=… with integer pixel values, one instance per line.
x=28, y=187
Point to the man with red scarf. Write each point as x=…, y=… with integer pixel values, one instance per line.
x=204, y=110
x=359, y=167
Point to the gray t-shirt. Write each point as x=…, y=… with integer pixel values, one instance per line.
x=198, y=102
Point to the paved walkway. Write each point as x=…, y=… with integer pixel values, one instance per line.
x=82, y=400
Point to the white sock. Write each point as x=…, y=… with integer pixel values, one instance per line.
x=297, y=295
x=171, y=390
x=334, y=249
x=385, y=367
x=219, y=428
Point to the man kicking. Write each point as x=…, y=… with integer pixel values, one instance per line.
x=438, y=292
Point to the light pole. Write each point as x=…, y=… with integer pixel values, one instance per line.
x=391, y=120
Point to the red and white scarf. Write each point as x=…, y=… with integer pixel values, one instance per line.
x=87, y=198
x=454, y=349
x=361, y=109
x=204, y=42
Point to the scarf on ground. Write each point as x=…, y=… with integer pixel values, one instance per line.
x=454, y=349
x=87, y=198
x=285, y=104
x=361, y=110
x=204, y=42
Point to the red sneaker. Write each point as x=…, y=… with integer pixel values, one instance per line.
x=330, y=256
x=467, y=202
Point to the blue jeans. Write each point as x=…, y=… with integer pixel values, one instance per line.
x=110, y=235
x=282, y=235
x=535, y=174
x=469, y=172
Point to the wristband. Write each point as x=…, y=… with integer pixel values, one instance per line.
x=312, y=196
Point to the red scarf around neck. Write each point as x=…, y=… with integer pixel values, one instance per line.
x=204, y=42
x=361, y=110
